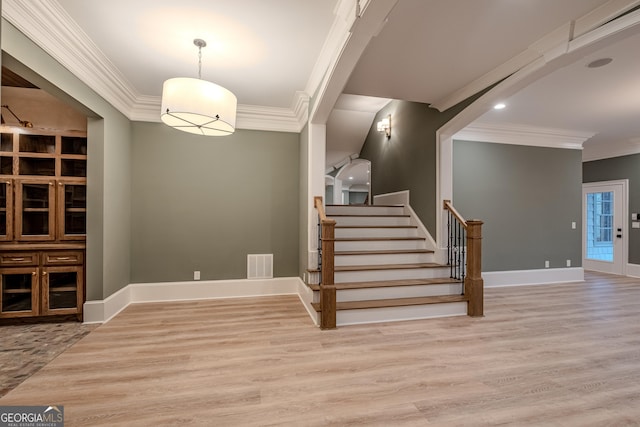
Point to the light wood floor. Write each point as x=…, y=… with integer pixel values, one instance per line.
x=555, y=355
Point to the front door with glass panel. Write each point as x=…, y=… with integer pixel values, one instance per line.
x=604, y=211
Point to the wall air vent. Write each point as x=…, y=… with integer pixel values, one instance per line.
x=260, y=266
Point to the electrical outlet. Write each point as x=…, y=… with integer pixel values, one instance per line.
x=573, y=225
x=568, y=263
x=196, y=275
x=546, y=264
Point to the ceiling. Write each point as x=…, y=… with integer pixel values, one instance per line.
x=263, y=51
x=432, y=51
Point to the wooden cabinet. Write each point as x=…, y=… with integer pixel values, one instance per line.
x=41, y=283
x=19, y=295
x=42, y=222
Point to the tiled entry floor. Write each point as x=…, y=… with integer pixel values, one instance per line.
x=26, y=348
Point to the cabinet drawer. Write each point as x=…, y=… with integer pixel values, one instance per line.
x=62, y=258
x=18, y=258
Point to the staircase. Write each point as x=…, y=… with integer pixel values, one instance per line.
x=384, y=269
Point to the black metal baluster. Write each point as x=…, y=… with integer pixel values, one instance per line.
x=464, y=255
x=449, y=263
x=320, y=248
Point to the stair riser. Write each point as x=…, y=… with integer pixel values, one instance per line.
x=371, y=220
x=398, y=292
x=393, y=314
x=380, y=245
x=376, y=275
x=376, y=232
x=342, y=260
x=364, y=210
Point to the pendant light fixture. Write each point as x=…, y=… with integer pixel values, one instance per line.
x=198, y=106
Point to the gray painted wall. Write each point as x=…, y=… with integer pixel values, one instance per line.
x=624, y=167
x=205, y=203
x=407, y=160
x=527, y=197
x=108, y=170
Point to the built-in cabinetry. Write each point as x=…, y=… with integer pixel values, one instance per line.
x=42, y=222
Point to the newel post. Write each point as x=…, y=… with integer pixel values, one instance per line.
x=327, y=286
x=473, y=283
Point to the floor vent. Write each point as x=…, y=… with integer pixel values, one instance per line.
x=260, y=266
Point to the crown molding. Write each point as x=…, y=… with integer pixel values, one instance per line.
x=616, y=149
x=344, y=15
x=252, y=117
x=523, y=135
x=275, y=119
x=51, y=28
x=46, y=24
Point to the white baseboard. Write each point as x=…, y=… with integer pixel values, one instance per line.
x=633, y=270
x=494, y=279
x=103, y=310
x=306, y=297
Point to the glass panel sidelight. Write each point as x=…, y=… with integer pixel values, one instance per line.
x=4, y=188
x=74, y=145
x=75, y=212
x=63, y=290
x=6, y=142
x=6, y=165
x=71, y=167
x=35, y=209
x=16, y=292
x=37, y=166
x=600, y=226
x=37, y=143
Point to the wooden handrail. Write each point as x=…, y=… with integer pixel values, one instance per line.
x=319, y=205
x=327, y=286
x=471, y=259
x=449, y=207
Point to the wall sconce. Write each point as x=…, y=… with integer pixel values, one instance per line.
x=23, y=123
x=384, y=126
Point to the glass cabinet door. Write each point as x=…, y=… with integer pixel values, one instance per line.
x=35, y=219
x=18, y=296
x=72, y=213
x=6, y=210
x=62, y=290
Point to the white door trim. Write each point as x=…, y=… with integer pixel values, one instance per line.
x=623, y=252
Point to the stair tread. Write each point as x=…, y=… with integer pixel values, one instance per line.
x=388, y=266
x=368, y=215
x=367, y=206
x=373, y=239
x=377, y=226
x=391, y=283
x=399, y=302
x=395, y=302
x=386, y=252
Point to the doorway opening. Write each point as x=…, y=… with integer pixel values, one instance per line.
x=604, y=226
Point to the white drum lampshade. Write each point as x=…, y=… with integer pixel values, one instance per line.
x=198, y=106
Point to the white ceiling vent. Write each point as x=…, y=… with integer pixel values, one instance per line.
x=260, y=266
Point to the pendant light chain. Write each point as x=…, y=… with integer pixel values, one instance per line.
x=200, y=62
x=200, y=43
